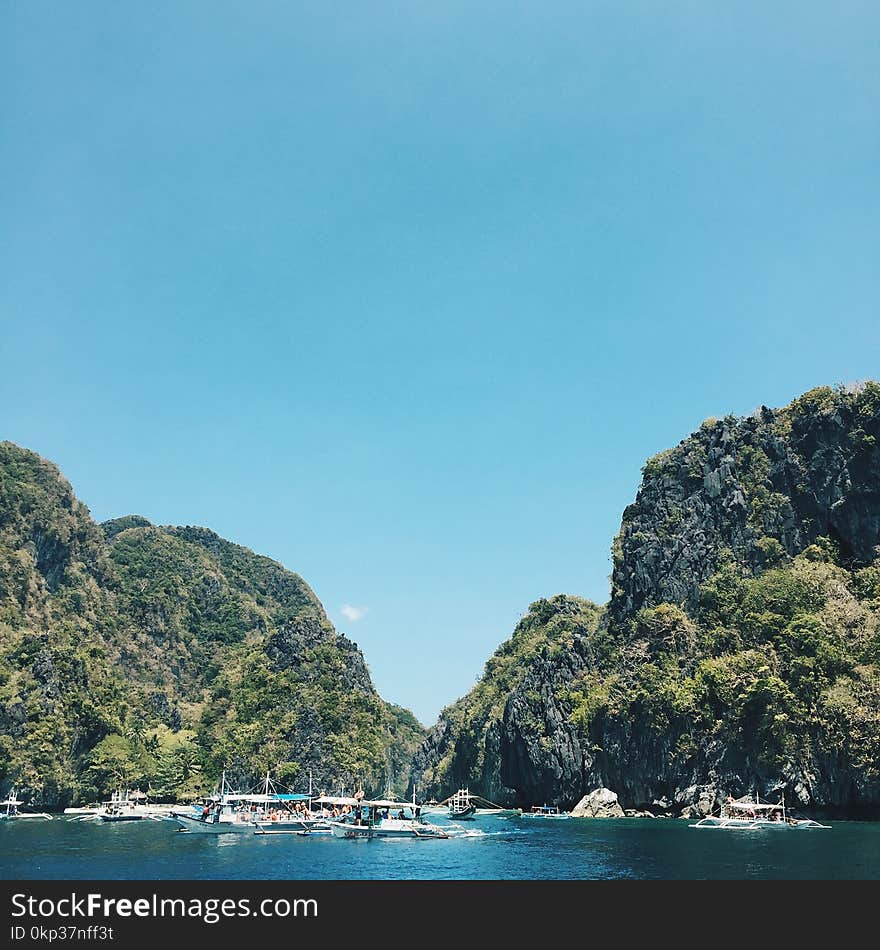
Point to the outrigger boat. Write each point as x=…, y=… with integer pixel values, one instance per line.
x=461, y=808
x=13, y=813
x=384, y=818
x=546, y=811
x=128, y=805
x=264, y=812
x=321, y=811
x=745, y=814
x=466, y=805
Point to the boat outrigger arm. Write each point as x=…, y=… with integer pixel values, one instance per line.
x=745, y=814
x=11, y=810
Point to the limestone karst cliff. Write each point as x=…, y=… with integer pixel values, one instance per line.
x=739, y=651
x=132, y=654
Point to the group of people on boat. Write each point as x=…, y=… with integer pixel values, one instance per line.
x=336, y=811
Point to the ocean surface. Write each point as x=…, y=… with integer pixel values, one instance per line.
x=495, y=848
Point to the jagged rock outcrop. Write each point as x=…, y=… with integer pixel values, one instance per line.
x=740, y=651
x=600, y=803
x=505, y=737
x=544, y=759
x=753, y=489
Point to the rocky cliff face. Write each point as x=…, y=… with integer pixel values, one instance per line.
x=740, y=650
x=752, y=489
x=509, y=738
x=136, y=654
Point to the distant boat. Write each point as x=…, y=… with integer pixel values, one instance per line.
x=546, y=811
x=461, y=808
x=466, y=805
x=745, y=814
x=124, y=805
x=12, y=811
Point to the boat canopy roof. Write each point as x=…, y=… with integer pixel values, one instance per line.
x=386, y=803
x=243, y=797
x=261, y=799
x=755, y=806
x=336, y=800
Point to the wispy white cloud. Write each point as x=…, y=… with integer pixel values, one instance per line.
x=353, y=613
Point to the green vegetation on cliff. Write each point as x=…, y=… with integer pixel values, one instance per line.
x=463, y=748
x=137, y=655
x=782, y=668
x=740, y=650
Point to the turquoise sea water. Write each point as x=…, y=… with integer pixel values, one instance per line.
x=506, y=849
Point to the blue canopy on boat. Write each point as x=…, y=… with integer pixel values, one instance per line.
x=291, y=798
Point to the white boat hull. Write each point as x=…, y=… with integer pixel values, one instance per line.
x=200, y=826
x=341, y=829
x=263, y=830
x=747, y=824
x=283, y=826
x=387, y=828
x=130, y=813
x=191, y=821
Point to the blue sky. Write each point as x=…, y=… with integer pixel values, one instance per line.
x=404, y=296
